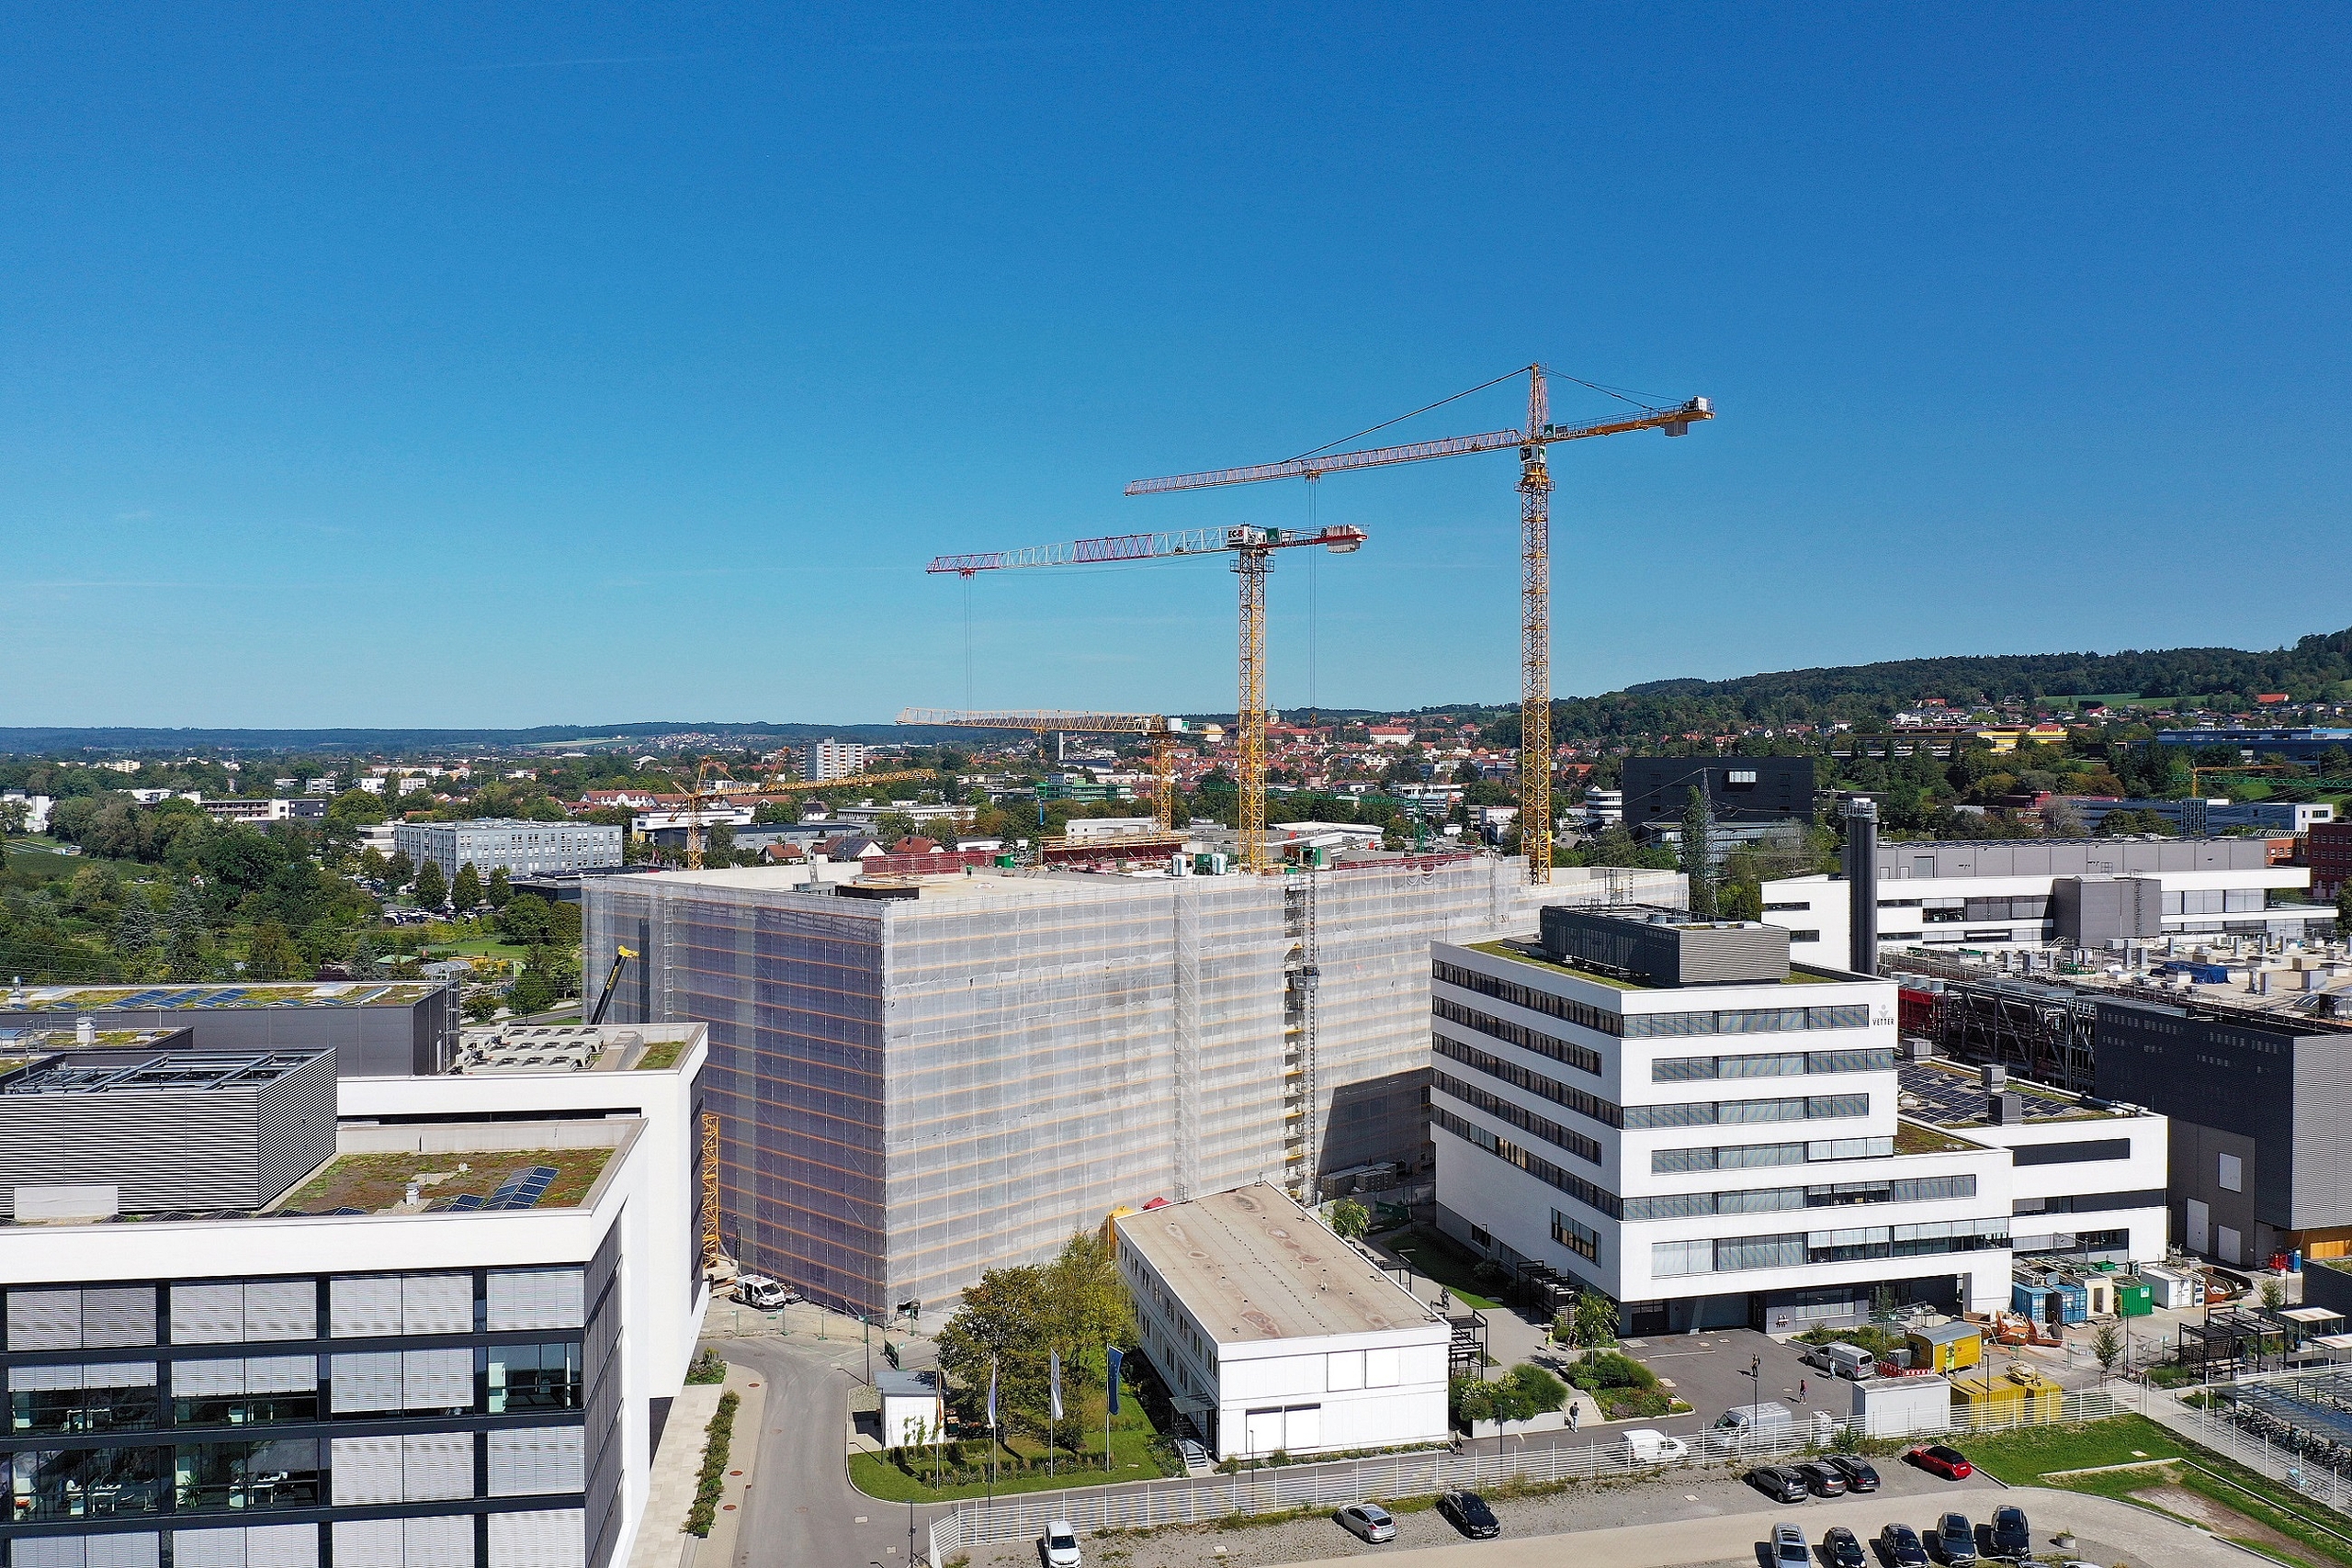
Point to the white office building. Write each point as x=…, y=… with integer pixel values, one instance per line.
x=1669, y=1113
x=821, y=759
x=439, y=1324
x=1274, y=1335
x=2030, y=893
x=521, y=847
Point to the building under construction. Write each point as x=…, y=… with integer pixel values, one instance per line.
x=923, y=1078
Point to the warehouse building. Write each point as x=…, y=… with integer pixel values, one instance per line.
x=2034, y=892
x=924, y=1077
x=522, y=848
x=448, y=1338
x=1274, y=1335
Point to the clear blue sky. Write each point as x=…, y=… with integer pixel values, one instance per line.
x=525, y=364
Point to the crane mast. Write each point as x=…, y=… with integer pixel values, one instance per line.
x=1535, y=565
x=1252, y=548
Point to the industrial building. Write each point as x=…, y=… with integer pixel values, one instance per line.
x=2201, y=816
x=821, y=759
x=2260, y=1140
x=924, y=1078
x=2297, y=745
x=1274, y=1335
x=2328, y=850
x=2037, y=892
x=376, y=1027
x=446, y=1333
x=522, y=848
x=1738, y=790
x=1629, y=1076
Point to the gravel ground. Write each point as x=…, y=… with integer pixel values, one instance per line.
x=1909, y=1496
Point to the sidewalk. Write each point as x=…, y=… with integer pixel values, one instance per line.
x=661, y=1540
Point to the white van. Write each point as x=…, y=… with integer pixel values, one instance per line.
x=1647, y=1445
x=1848, y=1361
x=1750, y=1424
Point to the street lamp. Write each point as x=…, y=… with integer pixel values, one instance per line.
x=1756, y=1396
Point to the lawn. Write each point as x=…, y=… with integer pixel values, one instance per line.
x=1439, y=1260
x=1132, y=1459
x=2278, y=1522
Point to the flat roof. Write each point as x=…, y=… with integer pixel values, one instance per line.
x=1526, y=950
x=323, y=994
x=1946, y=1094
x=126, y=1072
x=1251, y=1266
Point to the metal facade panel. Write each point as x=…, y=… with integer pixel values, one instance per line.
x=547, y=1538
x=436, y=1304
x=44, y=1319
x=364, y=1306
x=208, y=1315
x=535, y=1297
x=436, y=1466
x=367, y=1472
x=2321, y=1196
x=281, y=1309
x=367, y=1383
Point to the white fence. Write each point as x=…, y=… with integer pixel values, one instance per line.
x=1268, y=1491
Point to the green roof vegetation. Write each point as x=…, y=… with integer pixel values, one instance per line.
x=1915, y=1138
x=1529, y=953
x=660, y=1056
x=377, y=1182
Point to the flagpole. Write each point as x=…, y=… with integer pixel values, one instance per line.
x=992, y=1445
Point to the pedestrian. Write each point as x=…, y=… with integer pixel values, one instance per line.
x=1801, y=1394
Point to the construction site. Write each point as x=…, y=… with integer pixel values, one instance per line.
x=925, y=1073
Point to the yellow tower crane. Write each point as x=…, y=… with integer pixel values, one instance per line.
x=1252, y=550
x=1161, y=731
x=1535, y=555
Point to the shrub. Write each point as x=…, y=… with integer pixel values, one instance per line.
x=707, y=1369
x=713, y=1478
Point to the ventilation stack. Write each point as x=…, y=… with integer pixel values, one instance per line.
x=1861, y=887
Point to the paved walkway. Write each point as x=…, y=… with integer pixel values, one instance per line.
x=661, y=1540
x=2108, y=1531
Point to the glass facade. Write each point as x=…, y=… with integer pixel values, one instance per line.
x=298, y=1400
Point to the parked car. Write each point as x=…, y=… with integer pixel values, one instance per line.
x=1954, y=1542
x=1861, y=1475
x=1940, y=1459
x=1788, y=1548
x=1059, y=1545
x=1778, y=1483
x=759, y=1290
x=1822, y=1479
x=1195, y=1457
x=1468, y=1513
x=2011, y=1536
x=1841, y=1550
x=1368, y=1522
x=1900, y=1546
x=1644, y=1445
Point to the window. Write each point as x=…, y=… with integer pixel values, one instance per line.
x=1604, y=1112
x=1564, y=1008
x=2231, y=1173
x=238, y=1312
x=418, y=1466
x=278, y=1472
x=1567, y=1051
x=404, y=1380
x=1760, y=1252
x=234, y=1392
x=111, y=1398
x=1576, y=1187
x=1672, y=1259
x=528, y=1460
x=535, y=1298
x=2071, y=1154
x=1580, y=1240
x=1525, y=1121
x=81, y=1319
x=62, y=1484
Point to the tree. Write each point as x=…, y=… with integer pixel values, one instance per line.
x=499, y=890
x=941, y=831
x=465, y=893
x=432, y=891
x=272, y=955
x=531, y=993
x=1696, y=854
x=372, y=866
x=365, y=964
x=481, y=1007
x=187, y=940
x=136, y=932
x=2107, y=1348
x=1595, y=1321
x=892, y=826
x=1013, y=1317
x=1350, y=1220
x=2344, y=912
x=397, y=870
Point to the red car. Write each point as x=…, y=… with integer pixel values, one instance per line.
x=1939, y=1459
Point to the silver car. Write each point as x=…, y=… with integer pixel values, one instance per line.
x=1790, y=1548
x=1369, y=1521
x=1059, y=1545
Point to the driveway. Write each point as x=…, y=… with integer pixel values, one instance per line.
x=1710, y=1370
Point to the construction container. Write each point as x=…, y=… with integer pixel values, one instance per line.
x=1946, y=1348
x=2073, y=1304
x=2018, y=1396
x=2169, y=1287
x=1902, y=1407
x=2133, y=1296
x=2032, y=1300
x=2098, y=1293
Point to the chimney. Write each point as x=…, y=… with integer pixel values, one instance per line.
x=1994, y=1077
x=1861, y=887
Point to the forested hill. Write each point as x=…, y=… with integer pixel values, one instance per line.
x=2317, y=667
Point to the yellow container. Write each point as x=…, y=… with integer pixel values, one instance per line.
x=2019, y=1396
x=1947, y=1347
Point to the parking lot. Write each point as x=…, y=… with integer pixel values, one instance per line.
x=1710, y=1372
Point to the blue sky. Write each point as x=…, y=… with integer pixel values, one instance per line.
x=529, y=365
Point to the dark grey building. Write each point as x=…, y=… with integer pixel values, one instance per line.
x=174, y=1130
x=376, y=1027
x=2260, y=1135
x=1738, y=789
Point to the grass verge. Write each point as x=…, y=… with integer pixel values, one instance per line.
x=2321, y=1539
x=1132, y=1458
x=1436, y=1259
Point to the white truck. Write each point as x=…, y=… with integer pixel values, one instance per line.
x=1902, y=1407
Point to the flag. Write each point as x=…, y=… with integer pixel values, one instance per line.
x=1114, y=1380
x=1054, y=1383
x=991, y=1394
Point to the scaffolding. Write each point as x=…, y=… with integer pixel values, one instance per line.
x=914, y=1090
